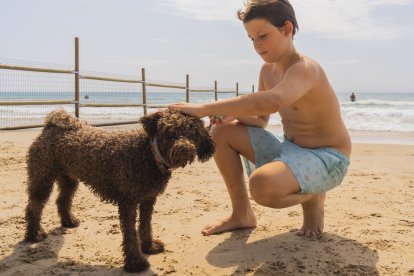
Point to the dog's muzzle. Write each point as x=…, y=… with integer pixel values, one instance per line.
x=183, y=152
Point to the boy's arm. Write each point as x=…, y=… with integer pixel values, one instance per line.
x=258, y=121
x=298, y=80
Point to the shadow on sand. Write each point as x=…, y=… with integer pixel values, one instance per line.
x=42, y=259
x=289, y=254
x=285, y=254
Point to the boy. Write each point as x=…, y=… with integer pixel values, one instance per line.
x=310, y=158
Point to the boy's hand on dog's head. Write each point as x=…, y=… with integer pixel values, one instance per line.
x=195, y=110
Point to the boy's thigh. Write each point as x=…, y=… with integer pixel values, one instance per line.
x=276, y=178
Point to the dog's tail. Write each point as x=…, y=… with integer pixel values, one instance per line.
x=61, y=119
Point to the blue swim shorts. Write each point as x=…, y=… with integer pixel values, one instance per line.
x=317, y=170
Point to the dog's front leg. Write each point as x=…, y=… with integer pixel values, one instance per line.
x=133, y=259
x=148, y=245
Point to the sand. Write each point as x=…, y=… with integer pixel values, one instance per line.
x=369, y=224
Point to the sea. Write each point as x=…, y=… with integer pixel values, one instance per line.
x=374, y=112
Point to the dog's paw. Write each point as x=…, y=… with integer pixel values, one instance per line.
x=137, y=265
x=70, y=222
x=35, y=236
x=155, y=247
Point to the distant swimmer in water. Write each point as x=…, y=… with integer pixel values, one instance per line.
x=86, y=97
x=352, y=97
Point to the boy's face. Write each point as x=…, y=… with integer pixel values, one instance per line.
x=269, y=41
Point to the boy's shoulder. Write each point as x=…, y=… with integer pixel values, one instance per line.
x=303, y=61
x=306, y=65
x=266, y=66
x=307, y=61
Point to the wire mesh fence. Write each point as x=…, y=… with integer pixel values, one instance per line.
x=24, y=94
x=98, y=99
x=30, y=90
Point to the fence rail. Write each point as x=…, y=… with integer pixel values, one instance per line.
x=33, y=69
x=108, y=79
x=76, y=101
x=37, y=103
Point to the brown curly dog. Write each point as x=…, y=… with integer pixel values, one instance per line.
x=129, y=168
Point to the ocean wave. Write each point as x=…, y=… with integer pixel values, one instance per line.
x=372, y=113
x=379, y=103
x=378, y=118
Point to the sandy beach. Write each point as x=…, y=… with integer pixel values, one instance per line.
x=369, y=223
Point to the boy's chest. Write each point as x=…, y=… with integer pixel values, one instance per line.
x=271, y=82
x=307, y=109
x=271, y=78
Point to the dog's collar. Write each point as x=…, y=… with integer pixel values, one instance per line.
x=157, y=154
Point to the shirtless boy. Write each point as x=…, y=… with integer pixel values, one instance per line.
x=297, y=167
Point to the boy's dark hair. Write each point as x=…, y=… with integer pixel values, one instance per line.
x=277, y=12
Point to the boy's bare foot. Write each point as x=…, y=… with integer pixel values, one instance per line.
x=229, y=223
x=313, y=216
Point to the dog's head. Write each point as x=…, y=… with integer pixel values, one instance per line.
x=179, y=137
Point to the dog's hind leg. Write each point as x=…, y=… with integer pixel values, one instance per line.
x=133, y=259
x=148, y=245
x=39, y=190
x=67, y=188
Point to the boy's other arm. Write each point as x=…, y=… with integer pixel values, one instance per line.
x=257, y=121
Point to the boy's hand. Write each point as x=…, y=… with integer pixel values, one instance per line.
x=197, y=110
x=219, y=120
x=189, y=108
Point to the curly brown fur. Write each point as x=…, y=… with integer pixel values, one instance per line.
x=118, y=166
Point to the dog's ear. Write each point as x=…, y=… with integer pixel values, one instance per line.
x=150, y=122
x=205, y=149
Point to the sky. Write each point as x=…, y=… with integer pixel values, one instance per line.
x=363, y=45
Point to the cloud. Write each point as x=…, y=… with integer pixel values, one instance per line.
x=158, y=40
x=232, y=63
x=342, y=19
x=204, y=9
x=155, y=62
x=220, y=61
x=351, y=19
x=344, y=62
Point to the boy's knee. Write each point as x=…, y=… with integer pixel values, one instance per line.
x=219, y=133
x=260, y=192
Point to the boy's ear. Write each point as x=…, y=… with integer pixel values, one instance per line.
x=288, y=27
x=150, y=122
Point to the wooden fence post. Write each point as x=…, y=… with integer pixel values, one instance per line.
x=77, y=97
x=187, y=88
x=215, y=90
x=144, y=91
